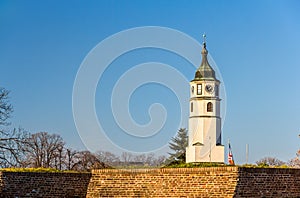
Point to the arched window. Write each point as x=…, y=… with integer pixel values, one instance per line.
x=192, y=107
x=210, y=107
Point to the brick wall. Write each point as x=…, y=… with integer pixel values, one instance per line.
x=29, y=184
x=196, y=182
x=268, y=182
x=171, y=182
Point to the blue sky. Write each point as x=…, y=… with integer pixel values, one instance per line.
x=255, y=45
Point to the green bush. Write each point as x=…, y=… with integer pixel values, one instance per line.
x=262, y=165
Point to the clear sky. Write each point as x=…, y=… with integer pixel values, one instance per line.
x=255, y=45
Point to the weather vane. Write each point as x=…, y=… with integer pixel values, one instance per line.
x=204, y=38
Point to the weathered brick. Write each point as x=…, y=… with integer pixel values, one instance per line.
x=175, y=182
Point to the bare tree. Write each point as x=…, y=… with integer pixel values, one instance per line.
x=150, y=157
x=85, y=161
x=11, y=144
x=108, y=158
x=126, y=157
x=70, y=159
x=44, y=150
x=48, y=150
x=159, y=161
x=140, y=158
x=10, y=140
x=295, y=162
x=270, y=161
x=5, y=107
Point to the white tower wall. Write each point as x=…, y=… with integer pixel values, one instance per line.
x=205, y=120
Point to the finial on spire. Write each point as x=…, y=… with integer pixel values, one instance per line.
x=204, y=50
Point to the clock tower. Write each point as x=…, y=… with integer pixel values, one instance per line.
x=204, y=143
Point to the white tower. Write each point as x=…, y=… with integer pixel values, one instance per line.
x=204, y=144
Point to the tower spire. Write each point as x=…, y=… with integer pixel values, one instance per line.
x=204, y=52
x=205, y=71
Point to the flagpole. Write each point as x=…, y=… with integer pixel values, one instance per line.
x=247, y=153
x=228, y=151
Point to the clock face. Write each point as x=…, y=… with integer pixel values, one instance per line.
x=209, y=88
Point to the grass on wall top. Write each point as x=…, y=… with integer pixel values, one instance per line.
x=212, y=164
x=195, y=165
x=40, y=170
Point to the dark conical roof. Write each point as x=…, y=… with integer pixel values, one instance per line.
x=205, y=71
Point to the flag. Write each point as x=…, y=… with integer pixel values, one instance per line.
x=230, y=156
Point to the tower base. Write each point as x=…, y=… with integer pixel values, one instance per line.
x=200, y=153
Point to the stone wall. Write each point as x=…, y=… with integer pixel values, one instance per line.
x=171, y=182
x=29, y=184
